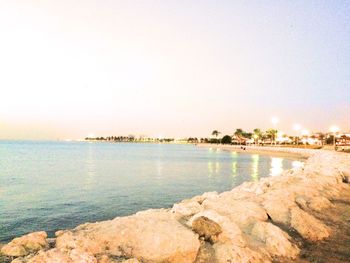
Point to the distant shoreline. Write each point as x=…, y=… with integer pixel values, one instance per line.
x=292, y=153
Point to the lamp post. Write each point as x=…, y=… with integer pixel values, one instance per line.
x=334, y=129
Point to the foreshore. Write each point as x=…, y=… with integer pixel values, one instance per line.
x=291, y=153
x=300, y=216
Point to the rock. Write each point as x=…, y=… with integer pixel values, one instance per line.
x=308, y=226
x=50, y=256
x=14, y=250
x=200, y=198
x=111, y=259
x=18, y=260
x=77, y=255
x=301, y=202
x=206, y=253
x=61, y=256
x=230, y=232
x=317, y=203
x=131, y=260
x=278, y=203
x=243, y=213
x=277, y=242
x=206, y=228
x=239, y=193
x=153, y=235
x=187, y=208
x=26, y=244
x=345, y=172
x=105, y=259
x=226, y=253
x=254, y=187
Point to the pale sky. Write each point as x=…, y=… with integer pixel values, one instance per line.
x=171, y=68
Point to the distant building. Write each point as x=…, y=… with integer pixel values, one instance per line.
x=343, y=139
x=238, y=139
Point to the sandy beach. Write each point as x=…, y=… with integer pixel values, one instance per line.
x=291, y=153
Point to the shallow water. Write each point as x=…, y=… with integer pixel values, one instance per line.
x=58, y=185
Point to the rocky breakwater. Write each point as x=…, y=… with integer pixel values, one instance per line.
x=261, y=221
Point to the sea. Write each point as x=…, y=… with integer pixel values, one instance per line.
x=53, y=185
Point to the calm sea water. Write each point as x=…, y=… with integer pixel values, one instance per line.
x=57, y=185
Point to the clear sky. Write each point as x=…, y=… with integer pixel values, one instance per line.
x=171, y=68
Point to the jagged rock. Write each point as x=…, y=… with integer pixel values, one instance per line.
x=225, y=253
x=106, y=259
x=230, y=232
x=253, y=187
x=301, y=201
x=243, y=213
x=18, y=260
x=26, y=244
x=206, y=228
x=61, y=256
x=131, y=260
x=239, y=193
x=111, y=259
x=200, y=198
x=308, y=226
x=15, y=251
x=345, y=173
x=277, y=204
x=152, y=235
x=187, y=208
x=317, y=203
x=277, y=242
x=206, y=253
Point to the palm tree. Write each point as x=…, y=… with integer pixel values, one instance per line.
x=257, y=135
x=272, y=134
x=322, y=137
x=239, y=132
x=215, y=133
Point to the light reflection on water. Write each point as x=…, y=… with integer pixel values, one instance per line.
x=255, y=167
x=297, y=164
x=234, y=168
x=234, y=164
x=57, y=185
x=276, y=166
x=239, y=168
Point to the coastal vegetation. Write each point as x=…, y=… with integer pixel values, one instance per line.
x=132, y=138
x=256, y=137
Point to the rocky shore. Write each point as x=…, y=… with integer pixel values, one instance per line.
x=289, y=218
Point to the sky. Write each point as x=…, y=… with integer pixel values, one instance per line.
x=69, y=68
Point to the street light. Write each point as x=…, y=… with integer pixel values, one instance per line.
x=274, y=120
x=334, y=129
x=305, y=132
